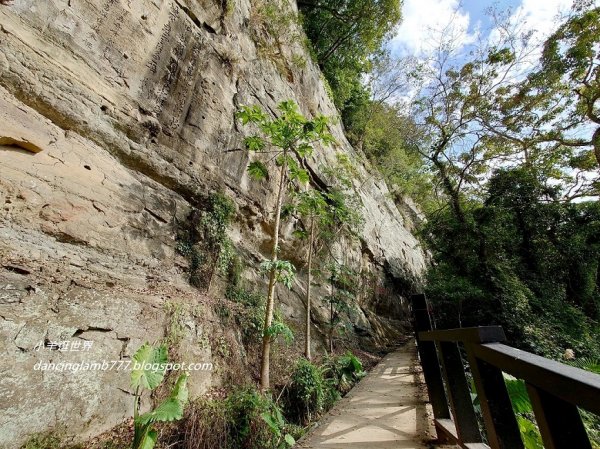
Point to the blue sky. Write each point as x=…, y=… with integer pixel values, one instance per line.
x=423, y=16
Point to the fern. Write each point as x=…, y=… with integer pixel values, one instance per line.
x=587, y=363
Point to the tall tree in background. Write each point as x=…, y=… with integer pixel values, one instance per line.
x=287, y=140
x=506, y=141
x=569, y=80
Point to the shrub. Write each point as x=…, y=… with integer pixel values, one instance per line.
x=204, y=242
x=309, y=392
x=343, y=371
x=256, y=421
x=206, y=425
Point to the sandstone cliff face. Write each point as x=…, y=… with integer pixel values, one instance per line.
x=115, y=118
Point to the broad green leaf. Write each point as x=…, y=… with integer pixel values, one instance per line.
x=257, y=170
x=266, y=416
x=289, y=439
x=172, y=408
x=530, y=434
x=149, y=364
x=149, y=440
x=518, y=394
x=144, y=437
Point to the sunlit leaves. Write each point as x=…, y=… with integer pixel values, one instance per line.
x=254, y=143
x=279, y=328
x=287, y=138
x=258, y=171
x=501, y=56
x=285, y=272
x=251, y=114
x=149, y=366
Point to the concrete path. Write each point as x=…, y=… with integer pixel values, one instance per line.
x=387, y=410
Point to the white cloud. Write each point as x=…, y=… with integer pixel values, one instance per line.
x=424, y=19
x=542, y=16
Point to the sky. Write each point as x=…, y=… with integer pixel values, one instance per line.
x=422, y=17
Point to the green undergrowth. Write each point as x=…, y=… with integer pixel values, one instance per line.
x=246, y=419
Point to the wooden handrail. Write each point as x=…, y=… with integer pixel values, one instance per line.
x=556, y=390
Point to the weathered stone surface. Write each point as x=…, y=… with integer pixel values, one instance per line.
x=115, y=119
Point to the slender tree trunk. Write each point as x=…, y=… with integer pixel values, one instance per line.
x=310, y=254
x=331, y=322
x=596, y=142
x=266, y=343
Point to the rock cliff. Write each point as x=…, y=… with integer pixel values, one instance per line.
x=115, y=121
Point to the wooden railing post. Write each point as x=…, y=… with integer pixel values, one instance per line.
x=459, y=394
x=557, y=391
x=559, y=421
x=500, y=422
x=429, y=360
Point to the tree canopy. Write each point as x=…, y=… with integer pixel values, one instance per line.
x=344, y=34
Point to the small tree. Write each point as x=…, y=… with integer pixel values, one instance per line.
x=342, y=294
x=288, y=139
x=312, y=205
x=328, y=217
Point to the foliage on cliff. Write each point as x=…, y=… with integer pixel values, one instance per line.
x=345, y=34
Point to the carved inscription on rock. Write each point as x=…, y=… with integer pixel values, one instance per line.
x=172, y=71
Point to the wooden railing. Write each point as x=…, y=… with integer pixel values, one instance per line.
x=556, y=391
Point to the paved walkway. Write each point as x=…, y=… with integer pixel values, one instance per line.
x=386, y=410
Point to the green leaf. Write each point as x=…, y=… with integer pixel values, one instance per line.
x=305, y=150
x=278, y=328
x=285, y=272
x=144, y=437
x=149, y=440
x=518, y=394
x=149, y=366
x=252, y=114
x=289, y=439
x=530, y=434
x=254, y=143
x=172, y=408
x=302, y=176
x=266, y=416
x=258, y=171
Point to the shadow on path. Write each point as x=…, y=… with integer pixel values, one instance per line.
x=388, y=409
